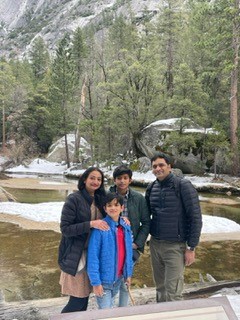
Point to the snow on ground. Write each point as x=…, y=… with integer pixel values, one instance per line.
x=40, y=166
x=51, y=211
x=46, y=167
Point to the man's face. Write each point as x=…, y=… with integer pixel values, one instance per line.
x=160, y=168
x=122, y=182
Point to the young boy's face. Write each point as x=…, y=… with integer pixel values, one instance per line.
x=113, y=209
x=122, y=182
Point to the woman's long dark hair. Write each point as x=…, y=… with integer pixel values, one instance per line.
x=100, y=193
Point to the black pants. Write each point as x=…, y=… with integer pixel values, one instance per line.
x=76, y=304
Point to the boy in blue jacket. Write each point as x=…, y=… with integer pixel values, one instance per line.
x=110, y=254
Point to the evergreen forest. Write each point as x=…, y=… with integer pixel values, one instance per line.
x=108, y=85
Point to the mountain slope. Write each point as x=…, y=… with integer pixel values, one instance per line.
x=22, y=20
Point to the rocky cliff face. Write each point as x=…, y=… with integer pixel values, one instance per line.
x=22, y=20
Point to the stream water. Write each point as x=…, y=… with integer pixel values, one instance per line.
x=28, y=258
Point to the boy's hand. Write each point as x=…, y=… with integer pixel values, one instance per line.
x=98, y=290
x=128, y=282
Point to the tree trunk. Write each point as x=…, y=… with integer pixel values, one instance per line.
x=67, y=151
x=94, y=148
x=233, y=99
x=215, y=163
x=3, y=130
x=80, y=117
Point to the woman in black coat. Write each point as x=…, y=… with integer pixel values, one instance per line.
x=82, y=211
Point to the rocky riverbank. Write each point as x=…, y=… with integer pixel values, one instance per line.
x=43, y=309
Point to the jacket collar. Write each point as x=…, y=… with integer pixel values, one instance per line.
x=112, y=223
x=87, y=196
x=166, y=180
x=114, y=189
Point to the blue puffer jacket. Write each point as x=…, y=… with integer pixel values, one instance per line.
x=102, y=254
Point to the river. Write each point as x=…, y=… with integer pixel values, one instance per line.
x=28, y=258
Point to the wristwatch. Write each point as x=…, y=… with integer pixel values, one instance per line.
x=190, y=248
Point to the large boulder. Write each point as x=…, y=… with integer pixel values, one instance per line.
x=154, y=135
x=190, y=164
x=57, y=151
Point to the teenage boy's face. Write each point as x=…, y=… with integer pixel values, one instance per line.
x=122, y=182
x=113, y=209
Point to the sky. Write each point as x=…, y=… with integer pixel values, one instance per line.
x=51, y=211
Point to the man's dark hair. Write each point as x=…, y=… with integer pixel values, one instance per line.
x=162, y=156
x=110, y=196
x=120, y=170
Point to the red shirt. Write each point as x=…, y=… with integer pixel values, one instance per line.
x=121, y=250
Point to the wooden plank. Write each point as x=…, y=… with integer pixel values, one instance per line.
x=198, y=309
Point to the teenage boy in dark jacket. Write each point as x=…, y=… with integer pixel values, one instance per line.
x=136, y=210
x=175, y=228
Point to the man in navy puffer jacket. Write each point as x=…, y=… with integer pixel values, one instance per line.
x=176, y=223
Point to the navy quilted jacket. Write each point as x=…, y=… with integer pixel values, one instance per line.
x=176, y=214
x=102, y=254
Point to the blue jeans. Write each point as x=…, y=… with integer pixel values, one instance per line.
x=109, y=293
x=123, y=294
x=123, y=291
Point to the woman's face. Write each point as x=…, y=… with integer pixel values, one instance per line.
x=93, y=181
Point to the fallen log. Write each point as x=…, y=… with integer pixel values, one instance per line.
x=206, y=289
x=6, y=196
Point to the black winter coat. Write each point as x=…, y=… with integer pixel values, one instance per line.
x=176, y=214
x=75, y=228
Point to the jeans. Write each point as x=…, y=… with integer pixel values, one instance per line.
x=109, y=293
x=123, y=294
x=123, y=291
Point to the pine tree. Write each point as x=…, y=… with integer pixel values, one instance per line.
x=133, y=87
x=234, y=88
x=215, y=30
x=169, y=33
x=63, y=82
x=34, y=120
x=79, y=53
x=40, y=59
x=6, y=94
